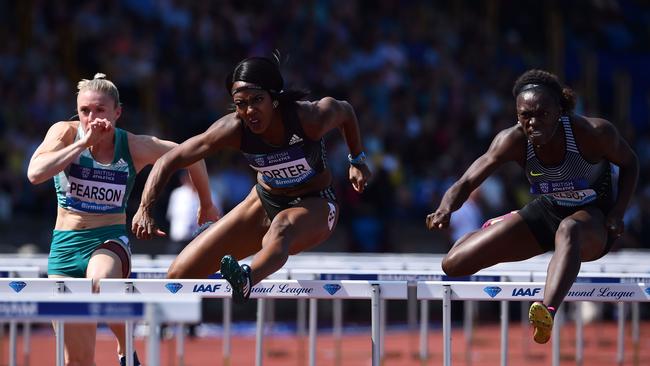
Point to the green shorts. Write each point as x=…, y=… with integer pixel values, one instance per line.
x=70, y=250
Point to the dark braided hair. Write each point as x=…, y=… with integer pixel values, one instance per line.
x=540, y=78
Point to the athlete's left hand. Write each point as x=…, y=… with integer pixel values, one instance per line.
x=207, y=214
x=360, y=176
x=144, y=226
x=614, y=224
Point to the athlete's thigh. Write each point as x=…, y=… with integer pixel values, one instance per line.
x=593, y=234
x=508, y=241
x=104, y=263
x=305, y=225
x=238, y=233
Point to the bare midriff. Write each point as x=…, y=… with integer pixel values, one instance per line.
x=73, y=220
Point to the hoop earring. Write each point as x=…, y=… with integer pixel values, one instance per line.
x=275, y=104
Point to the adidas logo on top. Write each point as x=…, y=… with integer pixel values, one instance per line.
x=295, y=139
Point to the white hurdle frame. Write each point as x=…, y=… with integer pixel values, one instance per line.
x=96, y=307
x=313, y=290
x=412, y=277
x=160, y=273
x=518, y=291
x=26, y=271
x=17, y=288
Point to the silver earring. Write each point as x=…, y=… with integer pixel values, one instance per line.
x=275, y=104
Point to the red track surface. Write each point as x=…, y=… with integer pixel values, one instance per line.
x=401, y=348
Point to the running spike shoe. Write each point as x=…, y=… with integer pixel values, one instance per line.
x=239, y=278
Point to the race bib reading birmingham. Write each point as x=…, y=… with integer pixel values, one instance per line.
x=282, y=169
x=95, y=190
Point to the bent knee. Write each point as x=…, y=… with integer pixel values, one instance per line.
x=452, y=265
x=569, y=229
x=176, y=272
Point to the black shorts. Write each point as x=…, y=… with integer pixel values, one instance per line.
x=273, y=204
x=543, y=219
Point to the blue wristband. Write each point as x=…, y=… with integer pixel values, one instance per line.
x=358, y=160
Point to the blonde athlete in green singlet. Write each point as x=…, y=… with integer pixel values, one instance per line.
x=94, y=165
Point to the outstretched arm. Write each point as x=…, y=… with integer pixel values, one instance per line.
x=221, y=134
x=328, y=114
x=504, y=148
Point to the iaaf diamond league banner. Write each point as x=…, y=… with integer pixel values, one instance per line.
x=606, y=292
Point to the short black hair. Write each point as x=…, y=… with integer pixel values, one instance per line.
x=551, y=82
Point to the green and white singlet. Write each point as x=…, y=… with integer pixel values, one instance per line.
x=92, y=187
x=89, y=186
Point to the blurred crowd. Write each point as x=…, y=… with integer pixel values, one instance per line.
x=430, y=82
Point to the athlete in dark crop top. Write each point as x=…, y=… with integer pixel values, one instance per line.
x=292, y=207
x=567, y=159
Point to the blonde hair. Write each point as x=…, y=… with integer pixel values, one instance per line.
x=101, y=84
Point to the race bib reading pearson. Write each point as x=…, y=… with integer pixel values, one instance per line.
x=95, y=190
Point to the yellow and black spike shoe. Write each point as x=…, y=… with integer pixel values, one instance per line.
x=542, y=319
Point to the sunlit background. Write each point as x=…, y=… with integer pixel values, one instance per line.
x=430, y=82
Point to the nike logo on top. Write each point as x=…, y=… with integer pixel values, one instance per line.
x=295, y=139
x=533, y=174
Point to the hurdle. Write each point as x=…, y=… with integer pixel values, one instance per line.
x=97, y=307
x=513, y=291
x=20, y=287
x=276, y=289
x=11, y=272
x=412, y=277
x=602, y=279
x=161, y=273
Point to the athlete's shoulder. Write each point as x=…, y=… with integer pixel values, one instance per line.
x=508, y=145
x=511, y=135
x=64, y=130
x=593, y=127
x=319, y=109
x=65, y=126
x=228, y=122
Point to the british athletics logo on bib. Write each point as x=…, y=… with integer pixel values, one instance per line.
x=285, y=168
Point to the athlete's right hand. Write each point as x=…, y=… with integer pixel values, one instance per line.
x=97, y=130
x=144, y=226
x=438, y=220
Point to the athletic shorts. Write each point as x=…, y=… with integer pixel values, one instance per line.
x=273, y=204
x=543, y=219
x=70, y=250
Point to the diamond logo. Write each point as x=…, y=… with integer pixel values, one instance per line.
x=17, y=285
x=332, y=288
x=492, y=290
x=173, y=287
x=647, y=290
